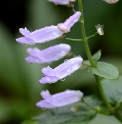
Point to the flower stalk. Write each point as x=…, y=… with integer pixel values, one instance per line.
x=87, y=49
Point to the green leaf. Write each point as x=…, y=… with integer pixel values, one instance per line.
x=96, y=103
x=97, y=55
x=105, y=70
x=31, y=121
x=93, y=101
x=71, y=114
x=113, y=90
x=104, y=119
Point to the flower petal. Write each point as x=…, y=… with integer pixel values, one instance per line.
x=61, y=71
x=72, y=19
x=25, y=40
x=68, y=67
x=61, y=2
x=65, y=27
x=39, y=36
x=46, y=34
x=67, y=97
x=48, y=79
x=25, y=32
x=55, y=53
x=45, y=94
x=34, y=56
x=44, y=104
x=111, y=1
x=48, y=55
x=60, y=99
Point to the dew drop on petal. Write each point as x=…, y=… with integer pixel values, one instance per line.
x=72, y=62
x=69, y=70
x=70, y=74
x=65, y=60
x=63, y=79
x=48, y=79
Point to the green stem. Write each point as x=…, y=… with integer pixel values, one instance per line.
x=90, y=57
x=103, y=95
x=73, y=39
x=92, y=35
x=81, y=39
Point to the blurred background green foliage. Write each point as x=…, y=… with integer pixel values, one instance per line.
x=19, y=86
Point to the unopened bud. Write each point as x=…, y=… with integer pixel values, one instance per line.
x=100, y=29
x=111, y=1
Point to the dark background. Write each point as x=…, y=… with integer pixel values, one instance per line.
x=19, y=87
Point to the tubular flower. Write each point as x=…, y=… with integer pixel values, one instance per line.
x=47, y=33
x=47, y=55
x=61, y=2
x=111, y=1
x=61, y=71
x=60, y=99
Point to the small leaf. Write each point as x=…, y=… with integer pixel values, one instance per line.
x=67, y=115
x=113, y=90
x=97, y=55
x=104, y=119
x=105, y=70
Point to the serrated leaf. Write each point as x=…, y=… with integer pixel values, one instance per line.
x=105, y=70
x=104, y=119
x=71, y=114
x=97, y=55
x=113, y=90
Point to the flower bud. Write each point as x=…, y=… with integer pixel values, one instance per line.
x=100, y=29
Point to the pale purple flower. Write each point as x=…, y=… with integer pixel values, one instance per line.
x=111, y=1
x=61, y=71
x=65, y=27
x=61, y=2
x=60, y=99
x=48, y=55
x=47, y=33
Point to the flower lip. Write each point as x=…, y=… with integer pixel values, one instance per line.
x=60, y=72
x=60, y=99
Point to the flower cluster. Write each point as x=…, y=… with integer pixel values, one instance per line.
x=51, y=54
